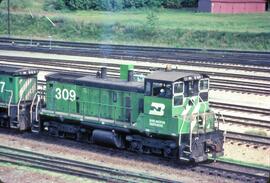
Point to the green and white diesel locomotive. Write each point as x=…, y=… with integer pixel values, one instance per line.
x=18, y=88
x=167, y=113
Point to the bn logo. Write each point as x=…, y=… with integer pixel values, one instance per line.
x=157, y=109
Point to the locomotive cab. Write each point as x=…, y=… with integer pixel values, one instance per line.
x=176, y=105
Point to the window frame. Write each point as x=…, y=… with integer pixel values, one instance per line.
x=151, y=88
x=196, y=87
x=183, y=88
x=178, y=94
x=204, y=90
x=152, y=83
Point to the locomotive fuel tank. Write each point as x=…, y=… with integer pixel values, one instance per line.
x=108, y=138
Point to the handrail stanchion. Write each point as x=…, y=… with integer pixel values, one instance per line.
x=10, y=100
x=31, y=107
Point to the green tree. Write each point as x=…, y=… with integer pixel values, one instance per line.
x=112, y=5
x=151, y=22
x=17, y=4
x=54, y=5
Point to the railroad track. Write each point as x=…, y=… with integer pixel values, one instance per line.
x=217, y=84
x=258, y=123
x=236, y=107
x=248, y=138
x=89, y=49
x=144, y=69
x=246, y=121
x=71, y=167
x=235, y=171
x=21, y=157
x=240, y=89
x=155, y=58
x=241, y=86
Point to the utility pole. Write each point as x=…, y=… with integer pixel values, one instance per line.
x=8, y=18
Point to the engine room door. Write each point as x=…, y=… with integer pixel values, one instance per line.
x=128, y=108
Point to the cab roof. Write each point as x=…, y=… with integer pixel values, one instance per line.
x=173, y=76
x=17, y=71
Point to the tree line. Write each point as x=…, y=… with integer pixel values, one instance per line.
x=117, y=4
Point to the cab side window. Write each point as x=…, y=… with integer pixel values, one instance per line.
x=158, y=89
x=162, y=90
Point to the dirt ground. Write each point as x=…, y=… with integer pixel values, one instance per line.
x=12, y=174
x=247, y=153
x=104, y=156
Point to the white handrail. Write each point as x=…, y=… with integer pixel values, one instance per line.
x=18, y=109
x=10, y=100
x=38, y=101
x=204, y=109
x=31, y=108
x=225, y=131
x=190, y=132
x=180, y=133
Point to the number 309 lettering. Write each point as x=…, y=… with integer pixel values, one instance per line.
x=65, y=94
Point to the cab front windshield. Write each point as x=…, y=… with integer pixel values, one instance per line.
x=191, y=88
x=197, y=87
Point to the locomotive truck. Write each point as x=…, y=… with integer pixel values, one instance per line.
x=167, y=113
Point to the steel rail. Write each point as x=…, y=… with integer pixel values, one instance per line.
x=82, y=65
x=236, y=82
x=221, y=56
x=54, y=168
x=84, y=44
x=255, y=139
x=240, y=89
x=50, y=61
x=51, y=163
x=241, y=108
x=155, y=59
x=235, y=172
x=77, y=166
x=247, y=121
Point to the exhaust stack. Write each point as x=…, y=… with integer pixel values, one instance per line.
x=103, y=72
